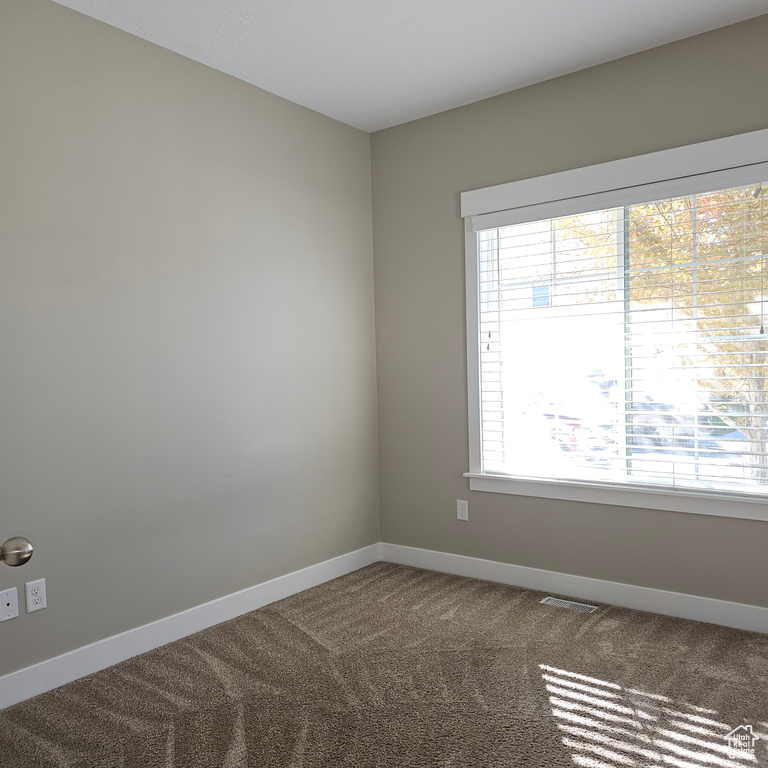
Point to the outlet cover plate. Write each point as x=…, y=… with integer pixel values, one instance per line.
x=9, y=604
x=462, y=510
x=36, y=598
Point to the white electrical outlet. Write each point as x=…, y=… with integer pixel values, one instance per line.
x=36, y=599
x=9, y=604
x=462, y=510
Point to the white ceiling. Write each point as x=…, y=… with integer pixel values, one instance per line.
x=377, y=63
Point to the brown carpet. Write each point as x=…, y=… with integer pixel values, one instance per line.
x=396, y=666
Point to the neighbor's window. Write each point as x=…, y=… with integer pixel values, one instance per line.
x=628, y=346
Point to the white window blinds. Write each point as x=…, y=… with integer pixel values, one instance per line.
x=627, y=345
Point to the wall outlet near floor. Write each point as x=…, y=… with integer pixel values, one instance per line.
x=462, y=510
x=36, y=599
x=9, y=604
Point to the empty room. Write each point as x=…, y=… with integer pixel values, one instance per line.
x=383, y=384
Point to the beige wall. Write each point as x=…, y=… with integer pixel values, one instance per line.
x=186, y=331
x=186, y=324
x=698, y=89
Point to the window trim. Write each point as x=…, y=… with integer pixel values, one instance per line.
x=666, y=165
x=669, y=173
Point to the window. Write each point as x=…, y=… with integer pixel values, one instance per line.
x=618, y=338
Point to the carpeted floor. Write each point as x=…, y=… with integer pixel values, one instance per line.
x=395, y=666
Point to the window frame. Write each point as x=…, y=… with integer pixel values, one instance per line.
x=730, y=161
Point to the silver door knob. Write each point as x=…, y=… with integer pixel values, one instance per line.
x=16, y=551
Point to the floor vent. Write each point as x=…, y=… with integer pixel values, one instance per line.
x=580, y=607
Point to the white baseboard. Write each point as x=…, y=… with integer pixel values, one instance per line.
x=738, y=615
x=21, y=685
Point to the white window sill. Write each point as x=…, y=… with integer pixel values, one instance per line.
x=690, y=501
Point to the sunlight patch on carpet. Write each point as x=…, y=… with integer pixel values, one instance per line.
x=605, y=725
